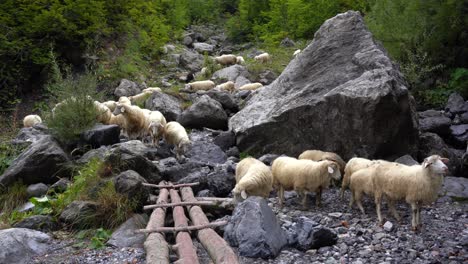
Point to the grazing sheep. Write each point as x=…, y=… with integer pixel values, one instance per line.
x=250, y=86
x=351, y=167
x=111, y=105
x=240, y=60
x=118, y=120
x=31, y=120
x=103, y=113
x=296, y=52
x=263, y=58
x=175, y=134
x=361, y=182
x=200, y=85
x=152, y=89
x=136, y=120
x=317, y=155
x=417, y=185
x=140, y=98
x=124, y=100
x=303, y=176
x=227, y=86
x=227, y=59
x=156, y=125
x=253, y=178
x=203, y=71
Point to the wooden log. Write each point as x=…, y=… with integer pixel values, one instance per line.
x=157, y=249
x=215, y=199
x=182, y=228
x=171, y=186
x=216, y=246
x=153, y=206
x=184, y=246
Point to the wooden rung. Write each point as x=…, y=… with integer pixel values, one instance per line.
x=171, y=186
x=181, y=228
x=153, y=206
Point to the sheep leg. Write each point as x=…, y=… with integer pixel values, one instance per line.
x=318, y=197
x=351, y=201
x=391, y=205
x=359, y=203
x=418, y=216
x=343, y=187
x=281, y=196
x=303, y=195
x=414, y=213
x=378, y=200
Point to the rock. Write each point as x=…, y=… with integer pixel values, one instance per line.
x=336, y=214
x=287, y=42
x=456, y=104
x=407, y=160
x=464, y=118
x=191, y=61
x=37, y=190
x=31, y=134
x=225, y=99
x=18, y=245
x=60, y=186
x=380, y=118
x=206, y=153
x=233, y=152
x=168, y=105
x=268, y=158
x=388, y=226
x=201, y=47
x=130, y=183
x=220, y=182
x=99, y=153
x=125, y=235
x=267, y=77
x=79, y=214
x=133, y=155
x=456, y=187
x=127, y=88
x=174, y=171
x=253, y=228
x=42, y=161
x=101, y=135
x=43, y=223
x=231, y=73
x=205, y=112
x=187, y=41
x=431, y=144
x=434, y=121
x=311, y=235
x=225, y=140
x=240, y=81
x=459, y=135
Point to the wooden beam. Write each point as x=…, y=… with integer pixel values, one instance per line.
x=171, y=186
x=182, y=228
x=153, y=206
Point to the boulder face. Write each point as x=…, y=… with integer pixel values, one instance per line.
x=341, y=94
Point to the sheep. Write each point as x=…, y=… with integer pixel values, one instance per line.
x=417, y=185
x=156, y=124
x=296, y=52
x=200, y=85
x=250, y=86
x=303, y=176
x=31, y=120
x=203, y=71
x=227, y=59
x=175, y=134
x=124, y=100
x=264, y=57
x=140, y=98
x=317, y=155
x=104, y=113
x=240, y=60
x=118, y=120
x=361, y=182
x=227, y=86
x=152, y=89
x=136, y=120
x=111, y=105
x=351, y=167
x=253, y=178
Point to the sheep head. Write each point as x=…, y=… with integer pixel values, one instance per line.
x=184, y=145
x=436, y=164
x=239, y=195
x=333, y=170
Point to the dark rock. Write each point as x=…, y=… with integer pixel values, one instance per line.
x=311, y=235
x=79, y=214
x=205, y=193
x=233, y=152
x=434, y=121
x=101, y=135
x=125, y=235
x=37, y=190
x=99, y=153
x=287, y=42
x=174, y=171
x=464, y=118
x=127, y=88
x=267, y=77
x=60, y=186
x=187, y=41
x=206, y=153
x=459, y=135
x=225, y=99
x=191, y=61
x=130, y=183
x=268, y=158
x=407, y=160
x=244, y=94
x=220, y=182
x=40, y=162
x=225, y=140
x=205, y=112
x=43, y=223
x=31, y=134
x=168, y=105
x=253, y=228
x=431, y=144
x=201, y=47
x=456, y=104
x=336, y=82
x=456, y=187
x=18, y=245
x=231, y=73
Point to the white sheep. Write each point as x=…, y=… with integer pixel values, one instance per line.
x=136, y=120
x=303, y=176
x=140, y=98
x=227, y=59
x=200, y=85
x=124, y=100
x=118, y=120
x=31, y=120
x=240, y=60
x=417, y=185
x=361, y=182
x=156, y=125
x=250, y=86
x=296, y=52
x=152, y=89
x=317, y=155
x=175, y=134
x=103, y=113
x=351, y=167
x=263, y=58
x=111, y=105
x=253, y=178
x=227, y=86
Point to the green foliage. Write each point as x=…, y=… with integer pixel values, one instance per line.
x=8, y=152
x=459, y=81
x=42, y=206
x=211, y=67
x=243, y=155
x=10, y=198
x=99, y=240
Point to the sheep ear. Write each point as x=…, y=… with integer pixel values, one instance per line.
x=330, y=169
x=122, y=109
x=445, y=160
x=244, y=195
x=426, y=163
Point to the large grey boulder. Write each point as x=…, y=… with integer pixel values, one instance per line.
x=459, y=135
x=168, y=105
x=43, y=223
x=18, y=245
x=231, y=73
x=254, y=229
x=127, y=88
x=101, y=135
x=125, y=235
x=456, y=104
x=99, y=153
x=407, y=160
x=42, y=161
x=31, y=134
x=343, y=94
x=205, y=112
x=456, y=187
x=191, y=60
x=433, y=144
x=79, y=214
x=435, y=122
x=225, y=99
x=202, y=47
x=130, y=183
x=37, y=190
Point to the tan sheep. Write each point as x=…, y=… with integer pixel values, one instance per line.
x=296, y=52
x=253, y=178
x=152, y=89
x=351, y=167
x=417, y=185
x=227, y=86
x=140, y=98
x=250, y=86
x=303, y=176
x=317, y=155
x=240, y=60
x=156, y=125
x=361, y=182
x=227, y=59
x=111, y=105
x=200, y=85
x=103, y=113
x=124, y=100
x=263, y=58
x=175, y=134
x=31, y=120
x=136, y=120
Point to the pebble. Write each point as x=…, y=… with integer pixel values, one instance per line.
x=336, y=214
x=388, y=226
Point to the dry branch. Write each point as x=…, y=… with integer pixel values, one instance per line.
x=171, y=186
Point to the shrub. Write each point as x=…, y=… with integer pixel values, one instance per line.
x=10, y=198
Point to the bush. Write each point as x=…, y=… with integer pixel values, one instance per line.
x=459, y=81
x=10, y=198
